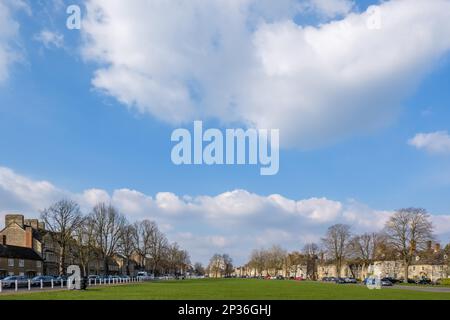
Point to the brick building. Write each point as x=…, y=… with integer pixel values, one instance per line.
x=31, y=234
x=19, y=261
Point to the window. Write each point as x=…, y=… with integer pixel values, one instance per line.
x=22, y=274
x=38, y=264
x=21, y=263
x=10, y=262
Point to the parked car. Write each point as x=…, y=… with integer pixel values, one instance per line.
x=61, y=279
x=94, y=278
x=145, y=276
x=279, y=277
x=423, y=281
x=10, y=282
x=393, y=280
x=350, y=280
x=46, y=281
x=340, y=280
x=386, y=283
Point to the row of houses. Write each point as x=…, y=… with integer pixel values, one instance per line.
x=28, y=249
x=392, y=269
x=432, y=263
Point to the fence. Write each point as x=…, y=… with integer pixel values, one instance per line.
x=28, y=285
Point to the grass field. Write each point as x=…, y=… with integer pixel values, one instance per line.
x=228, y=289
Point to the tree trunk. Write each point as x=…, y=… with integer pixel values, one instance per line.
x=338, y=269
x=406, y=271
x=105, y=265
x=62, y=260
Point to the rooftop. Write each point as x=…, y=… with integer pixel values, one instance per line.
x=14, y=252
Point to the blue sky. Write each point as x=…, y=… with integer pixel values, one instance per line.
x=57, y=125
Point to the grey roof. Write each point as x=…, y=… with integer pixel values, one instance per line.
x=19, y=253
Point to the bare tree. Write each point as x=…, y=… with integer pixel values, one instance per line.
x=157, y=248
x=276, y=259
x=184, y=261
x=311, y=252
x=108, y=226
x=409, y=230
x=198, y=269
x=177, y=259
x=228, y=264
x=367, y=246
x=257, y=261
x=84, y=249
x=216, y=265
x=127, y=244
x=143, y=239
x=336, y=243
x=62, y=219
x=293, y=260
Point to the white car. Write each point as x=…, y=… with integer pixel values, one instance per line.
x=145, y=276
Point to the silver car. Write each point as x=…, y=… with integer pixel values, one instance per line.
x=10, y=282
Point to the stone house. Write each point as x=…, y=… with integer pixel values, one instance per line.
x=19, y=261
x=30, y=233
x=21, y=233
x=292, y=271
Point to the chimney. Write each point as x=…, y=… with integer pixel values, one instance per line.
x=29, y=237
x=429, y=245
x=32, y=223
x=41, y=225
x=4, y=240
x=437, y=247
x=14, y=218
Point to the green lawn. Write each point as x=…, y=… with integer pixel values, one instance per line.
x=226, y=289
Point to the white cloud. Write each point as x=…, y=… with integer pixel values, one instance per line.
x=24, y=194
x=50, y=39
x=9, y=32
x=320, y=210
x=237, y=62
x=435, y=142
x=234, y=222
